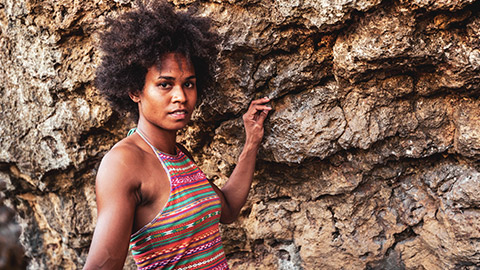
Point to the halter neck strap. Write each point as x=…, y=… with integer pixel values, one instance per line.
x=137, y=130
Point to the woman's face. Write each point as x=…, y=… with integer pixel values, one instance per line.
x=169, y=94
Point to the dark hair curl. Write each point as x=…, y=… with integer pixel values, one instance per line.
x=137, y=40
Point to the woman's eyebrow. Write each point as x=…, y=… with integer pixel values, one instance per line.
x=166, y=77
x=173, y=78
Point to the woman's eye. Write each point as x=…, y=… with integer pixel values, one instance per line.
x=164, y=85
x=189, y=84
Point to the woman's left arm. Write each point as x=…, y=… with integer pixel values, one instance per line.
x=234, y=193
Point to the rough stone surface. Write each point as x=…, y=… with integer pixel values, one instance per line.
x=371, y=157
x=11, y=252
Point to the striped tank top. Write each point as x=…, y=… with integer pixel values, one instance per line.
x=185, y=234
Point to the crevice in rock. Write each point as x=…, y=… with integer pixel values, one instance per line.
x=392, y=259
x=22, y=183
x=467, y=265
x=324, y=197
x=68, y=34
x=459, y=18
x=25, y=134
x=279, y=199
x=347, y=122
x=60, y=180
x=237, y=254
x=335, y=234
x=246, y=212
x=77, y=90
x=404, y=235
x=322, y=82
x=469, y=208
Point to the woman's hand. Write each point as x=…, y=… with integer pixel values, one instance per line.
x=234, y=193
x=253, y=121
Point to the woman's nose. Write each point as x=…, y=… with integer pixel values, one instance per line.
x=178, y=94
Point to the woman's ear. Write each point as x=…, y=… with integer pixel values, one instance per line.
x=135, y=96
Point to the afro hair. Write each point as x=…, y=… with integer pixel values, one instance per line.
x=137, y=40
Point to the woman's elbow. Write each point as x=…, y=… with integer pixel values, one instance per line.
x=227, y=220
x=228, y=217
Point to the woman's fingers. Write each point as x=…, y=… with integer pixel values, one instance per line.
x=258, y=111
x=260, y=101
x=254, y=118
x=262, y=115
x=261, y=108
x=257, y=106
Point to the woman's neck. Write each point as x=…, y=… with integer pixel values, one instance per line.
x=163, y=140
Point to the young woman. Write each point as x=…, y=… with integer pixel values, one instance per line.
x=150, y=194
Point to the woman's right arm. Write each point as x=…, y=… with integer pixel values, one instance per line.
x=115, y=190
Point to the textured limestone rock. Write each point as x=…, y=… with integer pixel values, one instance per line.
x=11, y=252
x=312, y=120
x=434, y=5
x=371, y=153
x=467, y=130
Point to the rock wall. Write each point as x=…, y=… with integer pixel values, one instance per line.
x=371, y=158
x=11, y=252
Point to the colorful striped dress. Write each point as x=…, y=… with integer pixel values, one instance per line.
x=185, y=234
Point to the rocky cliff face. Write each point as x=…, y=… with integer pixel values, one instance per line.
x=11, y=252
x=371, y=158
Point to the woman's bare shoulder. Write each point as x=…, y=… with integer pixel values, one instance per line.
x=125, y=150
x=121, y=163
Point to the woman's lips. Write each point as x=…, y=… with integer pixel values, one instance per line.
x=179, y=114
